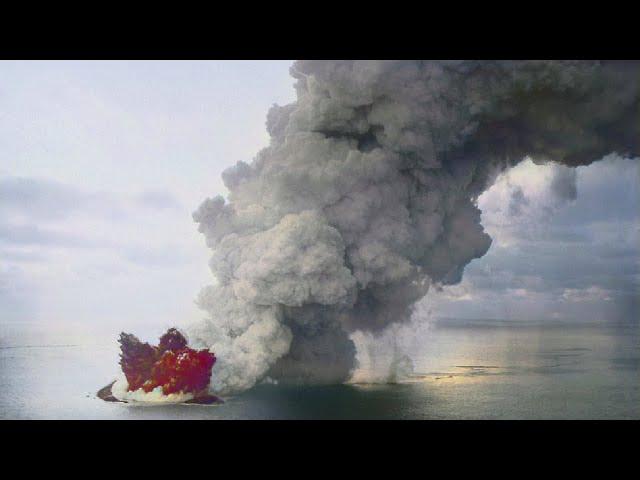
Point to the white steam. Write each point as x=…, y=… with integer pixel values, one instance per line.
x=367, y=193
x=120, y=390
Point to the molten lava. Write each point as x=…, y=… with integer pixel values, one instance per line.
x=171, y=365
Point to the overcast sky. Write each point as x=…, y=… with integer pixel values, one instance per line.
x=102, y=163
x=566, y=247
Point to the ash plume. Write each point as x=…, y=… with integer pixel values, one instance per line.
x=366, y=197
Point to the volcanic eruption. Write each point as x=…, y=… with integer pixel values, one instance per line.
x=366, y=196
x=169, y=372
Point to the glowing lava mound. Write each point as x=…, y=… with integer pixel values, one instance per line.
x=169, y=373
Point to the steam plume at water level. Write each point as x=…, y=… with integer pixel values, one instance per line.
x=366, y=196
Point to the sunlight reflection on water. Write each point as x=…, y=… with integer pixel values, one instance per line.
x=460, y=373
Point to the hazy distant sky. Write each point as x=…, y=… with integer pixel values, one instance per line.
x=102, y=163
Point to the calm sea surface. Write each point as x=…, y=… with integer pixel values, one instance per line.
x=469, y=370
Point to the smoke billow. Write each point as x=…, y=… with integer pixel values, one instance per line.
x=366, y=196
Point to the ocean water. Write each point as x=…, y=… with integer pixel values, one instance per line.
x=463, y=370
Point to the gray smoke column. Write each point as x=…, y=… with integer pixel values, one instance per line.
x=366, y=196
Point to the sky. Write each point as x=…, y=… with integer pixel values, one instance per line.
x=566, y=247
x=102, y=164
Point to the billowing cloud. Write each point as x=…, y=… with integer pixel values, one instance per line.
x=367, y=195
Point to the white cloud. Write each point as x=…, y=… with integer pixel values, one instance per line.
x=591, y=294
x=559, y=257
